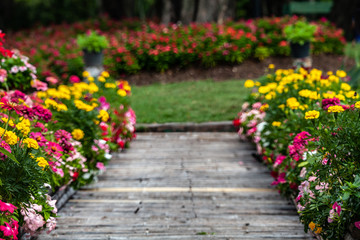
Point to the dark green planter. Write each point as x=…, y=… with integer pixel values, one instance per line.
x=93, y=59
x=300, y=51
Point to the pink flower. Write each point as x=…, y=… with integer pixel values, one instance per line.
x=3, y=75
x=42, y=113
x=328, y=102
x=312, y=178
x=5, y=146
x=50, y=224
x=39, y=85
x=74, y=79
x=7, y=230
x=251, y=131
x=104, y=105
x=279, y=160
x=357, y=225
x=100, y=166
x=280, y=179
x=52, y=80
x=323, y=186
x=54, y=149
x=7, y=207
x=257, y=105
x=303, y=172
x=337, y=208
x=41, y=140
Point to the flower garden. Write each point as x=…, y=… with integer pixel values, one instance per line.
x=54, y=136
x=59, y=124
x=305, y=127
x=136, y=46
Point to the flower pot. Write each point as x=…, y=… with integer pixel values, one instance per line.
x=300, y=51
x=93, y=59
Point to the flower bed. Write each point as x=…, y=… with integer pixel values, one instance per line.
x=52, y=138
x=135, y=46
x=305, y=125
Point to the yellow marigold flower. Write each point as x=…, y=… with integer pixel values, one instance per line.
x=312, y=226
x=31, y=143
x=357, y=104
x=103, y=115
x=352, y=95
x=110, y=85
x=85, y=74
x=93, y=88
x=312, y=114
x=10, y=122
x=329, y=95
x=340, y=73
x=345, y=87
x=271, y=66
x=105, y=74
x=121, y=92
x=305, y=93
x=40, y=94
x=264, y=89
x=101, y=79
x=257, y=84
x=281, y=106
x=50, y=102
x=276, y=124
x=83, y=106
x=62, y=107
x=270, y=95
x=42, y=162
x=325, y=83
x=77, y=134
x=318, y=229
x=264, y=107
x=127, y=88
x=249, y=83
x=90, y=79
x=335, y=109
x=31, y=155
x=292, y=103
x=340, y=97
x=329, y=73
x=10, y=138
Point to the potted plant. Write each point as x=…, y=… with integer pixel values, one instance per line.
x=92, y=45
x=300, y=34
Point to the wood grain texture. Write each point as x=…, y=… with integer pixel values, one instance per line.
x=181, y=186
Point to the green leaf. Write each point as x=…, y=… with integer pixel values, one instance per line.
x=1, y=183
x=346, y=196
x=357, y=181
x=8, y=154
x=303, y=164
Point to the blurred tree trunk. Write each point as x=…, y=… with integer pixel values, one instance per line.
x=215, y=10
x=167, y=12
x=344, y=21
x=188, y=11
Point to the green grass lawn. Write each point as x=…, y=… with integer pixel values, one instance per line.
x=199, y=101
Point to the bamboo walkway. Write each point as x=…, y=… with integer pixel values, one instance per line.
x=181, y=186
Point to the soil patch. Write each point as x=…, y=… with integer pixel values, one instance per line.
x=249, y=69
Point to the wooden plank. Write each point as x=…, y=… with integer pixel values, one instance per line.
x=177, y=185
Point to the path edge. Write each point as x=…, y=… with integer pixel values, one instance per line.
x=223, y=126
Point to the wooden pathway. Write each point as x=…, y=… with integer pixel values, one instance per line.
x=181, y=186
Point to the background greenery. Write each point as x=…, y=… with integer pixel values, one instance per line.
x=199, y=101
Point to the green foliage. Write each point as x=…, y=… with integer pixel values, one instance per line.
x=262, y=52
x=92, y=42
x=300, y=32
